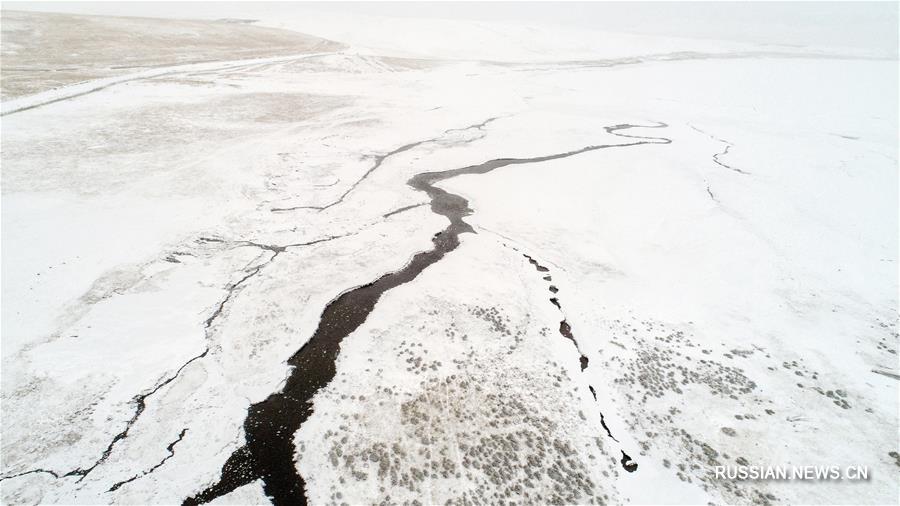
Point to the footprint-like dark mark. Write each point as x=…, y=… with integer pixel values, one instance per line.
x=602, y=418
x=564, y=328
x=628, y=464
x=271, y=424
x=566, y=331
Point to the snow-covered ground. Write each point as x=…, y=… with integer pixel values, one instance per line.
x=712, y=282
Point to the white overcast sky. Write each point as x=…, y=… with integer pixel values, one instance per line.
x=871, y=25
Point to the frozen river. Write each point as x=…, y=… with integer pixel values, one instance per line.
x=243, y=264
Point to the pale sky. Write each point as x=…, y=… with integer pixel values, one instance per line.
x=871, y=25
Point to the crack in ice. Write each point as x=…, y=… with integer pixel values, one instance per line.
x=715, y=156
x=171, y=450
x=379, y=160
x=140, y=401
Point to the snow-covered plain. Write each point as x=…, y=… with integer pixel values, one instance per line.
x=726, y=263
